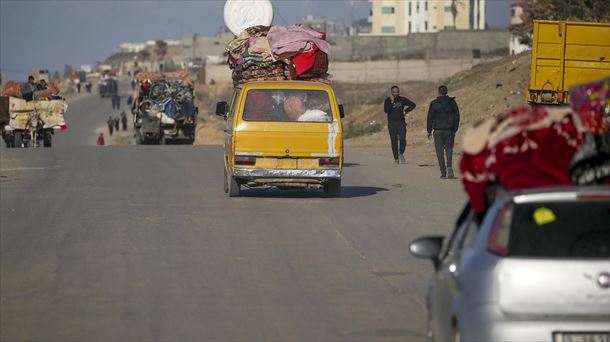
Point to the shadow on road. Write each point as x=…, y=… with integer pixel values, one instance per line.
x=346, y=192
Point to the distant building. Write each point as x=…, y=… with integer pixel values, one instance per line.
x=205, y=49
x=516, y=19
x=332, y=28
x=137, y=47
x=399, y=17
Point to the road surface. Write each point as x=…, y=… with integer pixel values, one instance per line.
x=139, y=243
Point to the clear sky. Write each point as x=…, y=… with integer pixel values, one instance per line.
x=51, y=33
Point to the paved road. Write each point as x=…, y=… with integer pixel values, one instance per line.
x=139, y=243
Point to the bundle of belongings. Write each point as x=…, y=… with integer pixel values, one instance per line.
x=169, y=95
x=278, y=53
x=31, y=91
x=540, y=146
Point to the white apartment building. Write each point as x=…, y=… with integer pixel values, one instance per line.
x=401, y=17
x=514, y=45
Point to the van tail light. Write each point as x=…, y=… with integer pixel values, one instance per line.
x=245, y=161
x=329, y=162
x=500, y=233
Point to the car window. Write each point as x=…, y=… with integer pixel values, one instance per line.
x=454, y=244
x=577, y=229
x=287, y=105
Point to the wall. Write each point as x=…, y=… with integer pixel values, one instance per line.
x=418, y=45
x=374, y=71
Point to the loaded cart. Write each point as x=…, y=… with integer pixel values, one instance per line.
x=31, y=123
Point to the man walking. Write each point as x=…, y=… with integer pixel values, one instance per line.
x=396, y=107
x=124, y=120
x=117, y=121
x=444, y=120
x=110, y=123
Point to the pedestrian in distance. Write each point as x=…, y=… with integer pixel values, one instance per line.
x=78, y=85
x=110, y=123
x=118, y=101
x=117, y=121
x=443, y=122
x=114, y=105
x=396, y=107
x=124, y=120
x=100, y=140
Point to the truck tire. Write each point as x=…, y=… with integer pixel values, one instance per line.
x=138, y=138
x=226, y=182
x=332, y=188
x=18, y=139
x=162, y=140
x=234, y=187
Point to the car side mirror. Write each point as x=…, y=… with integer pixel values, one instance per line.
x=341, y=111
x=427, y=247
x=222, y=108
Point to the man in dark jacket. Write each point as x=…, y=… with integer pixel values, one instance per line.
x=396, y=107
x=444, y=120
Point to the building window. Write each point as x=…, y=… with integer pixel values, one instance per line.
x=425, y=26
x=447, y=8
x=387, y=10
x=513, y=12
x=426, y=6
x=409, y=26
x=388, y=29
x=417, y=7
x=409, y=7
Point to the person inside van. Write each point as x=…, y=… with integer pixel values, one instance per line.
x=318, y=108
x=259, y=106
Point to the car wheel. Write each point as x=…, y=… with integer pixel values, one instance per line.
x=234, y=187
x=332, y=188
x=226, y=182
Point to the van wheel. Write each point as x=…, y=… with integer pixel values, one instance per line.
x=226, y=182
x=332, y=188
x=234, y=187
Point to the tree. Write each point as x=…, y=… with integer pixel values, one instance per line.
x=577, y=10
x=161, y=49
x=144, y=55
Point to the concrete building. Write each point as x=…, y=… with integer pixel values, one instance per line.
x=402, y=17
x=514, y=45
x=332, y=28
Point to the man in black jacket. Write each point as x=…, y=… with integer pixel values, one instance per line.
x=396, y=107
x=444, y=119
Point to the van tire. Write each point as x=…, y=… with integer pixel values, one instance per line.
x=234, y=187
x=332, y=188
x=46, y=140
x=226, y=182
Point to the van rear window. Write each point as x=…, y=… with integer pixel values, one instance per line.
x=578, y=229
x=287, y=105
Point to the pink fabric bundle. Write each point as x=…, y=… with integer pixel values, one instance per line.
x=294, y=39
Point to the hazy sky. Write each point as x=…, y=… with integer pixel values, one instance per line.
x=52, y=33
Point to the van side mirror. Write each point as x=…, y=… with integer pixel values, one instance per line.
x=341, y=111
x=427, y=247
x=222, y=108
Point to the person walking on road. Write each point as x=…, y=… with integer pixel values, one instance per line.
x=118, y=101
x=443, y=122
x=124, y=120
x=110, y=123
x=396, y=107
x=100, y=140
x=117, y=121
x=114, y=104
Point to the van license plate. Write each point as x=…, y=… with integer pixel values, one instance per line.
x=581, y=337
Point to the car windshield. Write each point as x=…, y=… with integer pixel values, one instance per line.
x=287, y=105
x=579, y=229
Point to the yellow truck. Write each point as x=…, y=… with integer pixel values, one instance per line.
x=565, y=54
x=286, y=134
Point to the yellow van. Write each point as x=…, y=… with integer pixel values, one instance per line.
x=286, y=134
